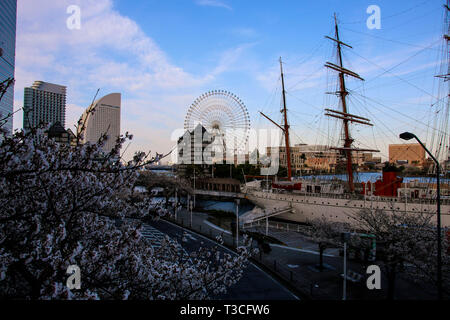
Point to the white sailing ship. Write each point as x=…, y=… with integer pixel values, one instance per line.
x=304, y=199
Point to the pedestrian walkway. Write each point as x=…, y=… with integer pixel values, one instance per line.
x=156, y=239
x=258, y=214
x=291, y=239
x=255, y=283
x=155, y=236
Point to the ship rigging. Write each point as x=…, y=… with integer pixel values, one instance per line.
x=344, y=115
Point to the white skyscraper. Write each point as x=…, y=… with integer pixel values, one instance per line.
x=103, y=116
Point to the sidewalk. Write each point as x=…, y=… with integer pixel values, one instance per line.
x=292, y=239
x=296, y=266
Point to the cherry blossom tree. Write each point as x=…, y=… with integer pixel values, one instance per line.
x=67, y=205
x=170, y=185
x=326, y=234
x=406, y=242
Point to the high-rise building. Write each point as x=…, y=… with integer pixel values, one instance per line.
x=103, y=116
x=8, y=14
x=44, y=103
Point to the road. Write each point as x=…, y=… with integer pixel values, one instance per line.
x=255, y=284
x=298, y=266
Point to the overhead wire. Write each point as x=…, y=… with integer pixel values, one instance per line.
x=395, y=66
x=391, y=16
x=390, y=40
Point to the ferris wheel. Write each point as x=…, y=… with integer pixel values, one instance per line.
x=223, y=115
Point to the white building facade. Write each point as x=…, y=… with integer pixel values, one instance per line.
x=103, y=116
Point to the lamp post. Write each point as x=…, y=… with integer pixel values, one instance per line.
x=409, y=136
x=190, y=207
x=345, y=236
x=237, y=223
x=194, y=186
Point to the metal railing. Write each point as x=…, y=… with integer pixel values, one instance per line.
x=348, y=197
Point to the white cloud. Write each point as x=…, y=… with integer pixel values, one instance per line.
x=244, y=32
x=90, y=51
x=113, y=53
x=229, y=58
x=73, y=113
x=213, y=3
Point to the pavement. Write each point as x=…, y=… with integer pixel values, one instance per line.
x=292, y=240
x=255, y=284
x=297, y=266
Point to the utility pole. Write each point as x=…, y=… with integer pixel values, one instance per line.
x=194, y=186
x=190, y=205
x=345, y=237
x=176, y=203
x=267, y=226
x=237, y=223
x=243, y=174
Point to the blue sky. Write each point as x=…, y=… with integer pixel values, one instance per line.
x=161, y=55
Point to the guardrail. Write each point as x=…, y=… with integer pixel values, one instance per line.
x=264, y=214
x=220, y=193
x=276, y=225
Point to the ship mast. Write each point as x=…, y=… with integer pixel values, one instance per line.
x=344, y=115
x=285, y=128
x=446, y=76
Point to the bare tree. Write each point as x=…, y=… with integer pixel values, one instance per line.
x=406, y=242
x=326, y=234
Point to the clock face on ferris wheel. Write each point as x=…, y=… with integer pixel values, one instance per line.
x=223, y=115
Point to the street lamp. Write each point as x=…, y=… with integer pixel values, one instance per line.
x=190, y=207
x=409, y=136
x=176, y=203
x=345, y=236
x=237, y=223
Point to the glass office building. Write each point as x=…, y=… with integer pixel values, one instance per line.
x=8, y=15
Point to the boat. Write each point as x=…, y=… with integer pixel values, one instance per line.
x=305, y=199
